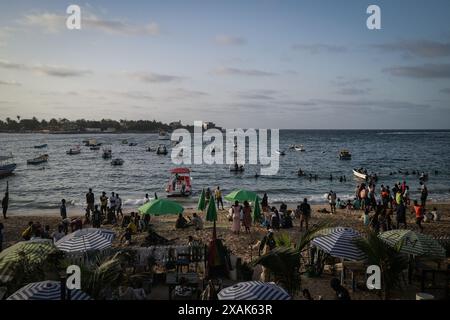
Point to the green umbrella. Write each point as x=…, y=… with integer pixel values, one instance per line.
x=211, y=213
x=161, y=207
x=257, y=211
x=202, y=201
x=242, y=195
x=410, y=242
x=33, y=252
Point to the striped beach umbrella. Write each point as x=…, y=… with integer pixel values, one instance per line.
x=34, y=252
x=254, y=290
x=410, y=242
x=46, y=290
x=340, y=243
x=85, y=240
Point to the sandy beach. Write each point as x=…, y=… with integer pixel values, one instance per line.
x=239, y=245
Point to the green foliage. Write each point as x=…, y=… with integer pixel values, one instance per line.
x=391, y=262
x=285, y=261
x=284, y=265
x=81, y=125
x=283, y=239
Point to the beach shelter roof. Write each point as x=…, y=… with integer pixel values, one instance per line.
x=254, y=290
x=46, y=290
x=161, y=207
x=85, y=240
x=242, y=195
x=34, y=251
x=340, y=243
x=410, y=242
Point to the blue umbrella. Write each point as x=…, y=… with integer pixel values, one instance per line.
x=254, y=290
x=46, y=290
x=85, y=240
x=340, y=243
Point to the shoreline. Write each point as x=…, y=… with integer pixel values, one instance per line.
x=190, y=207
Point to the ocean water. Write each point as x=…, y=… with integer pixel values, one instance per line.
x=69, y=177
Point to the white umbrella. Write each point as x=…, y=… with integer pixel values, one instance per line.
x=46, y=290
x=253, y=290
x=85, y=240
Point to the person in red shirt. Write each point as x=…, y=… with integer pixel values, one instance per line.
x=418, y=210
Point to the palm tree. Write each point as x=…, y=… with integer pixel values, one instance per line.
x=391, y=262
x=285, y=261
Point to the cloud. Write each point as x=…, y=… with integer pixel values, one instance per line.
x=5, y=34
x=319, y=48
x=384, y=104
x=137, y=95
x=418, y=48
x=180, y=93
x=242, y=72
x=230, y=40
x=257, y=95
x=50, y=70
x=353, y=91
x=342, y=81
x=445, y=90
x=54, y=23
x=9, y=83
x=150, y=77
x=426, y=71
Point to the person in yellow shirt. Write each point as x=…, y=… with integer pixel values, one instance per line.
x=132, y=226
x=218, y=196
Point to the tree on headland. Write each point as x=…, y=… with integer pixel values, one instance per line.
x=82, y=125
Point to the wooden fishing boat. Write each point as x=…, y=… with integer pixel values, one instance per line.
x=38, y=160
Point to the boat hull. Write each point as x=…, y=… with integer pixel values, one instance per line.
x=8, y=169
x=359, y=175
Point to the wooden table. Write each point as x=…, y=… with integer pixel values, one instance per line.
x=173, y=279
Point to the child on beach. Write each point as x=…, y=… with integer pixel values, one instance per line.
x=418, y=210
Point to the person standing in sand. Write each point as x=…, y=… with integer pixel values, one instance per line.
x=218, y=195
x=63, y=209
x=423, y=194
x=90, y=201
x=419, y=212
x=103, y=203
x=247, y=217
x=236, y=226
x=332, y=200
x=5, y=203
x=265, y=203
x=112, y=203
x=305, y=214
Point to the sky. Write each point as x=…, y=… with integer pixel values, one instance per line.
x=241, y=64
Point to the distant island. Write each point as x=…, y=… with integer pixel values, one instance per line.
x=65, y=126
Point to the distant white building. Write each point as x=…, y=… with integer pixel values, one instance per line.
x=93, y=129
